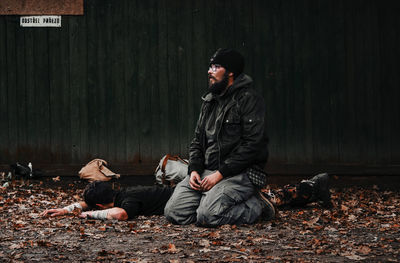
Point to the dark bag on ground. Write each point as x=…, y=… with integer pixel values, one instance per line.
x=23, y=171
x=257, y=176
x=171, y=170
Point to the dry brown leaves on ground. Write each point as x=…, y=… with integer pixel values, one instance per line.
x=363, y=225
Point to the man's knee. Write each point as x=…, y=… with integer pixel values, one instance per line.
x=179, y=217
x=213, y=214
x=206, y=217
x=167, y=209
x=180, y=209
x=170, y=213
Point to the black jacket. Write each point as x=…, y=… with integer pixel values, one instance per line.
x=143, y=200
x=240, y=140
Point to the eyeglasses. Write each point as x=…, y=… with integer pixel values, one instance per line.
x=214, y=67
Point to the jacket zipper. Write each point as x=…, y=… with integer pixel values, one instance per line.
x=219, y=130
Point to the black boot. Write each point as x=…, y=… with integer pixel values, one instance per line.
x=319, y=186
x=268, y=212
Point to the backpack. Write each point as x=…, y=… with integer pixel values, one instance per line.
x=171, y=170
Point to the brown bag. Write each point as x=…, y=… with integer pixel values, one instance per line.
x=96, y=170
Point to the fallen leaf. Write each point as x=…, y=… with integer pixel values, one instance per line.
x=56, y=179
x=16, y=246
x=364, y=250
x=43, y=243
x=354, y=257
x=204, y=243
x=352, y=218
x=214, y=235
x=172, y=248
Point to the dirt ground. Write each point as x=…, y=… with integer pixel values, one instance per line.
x=363, y=225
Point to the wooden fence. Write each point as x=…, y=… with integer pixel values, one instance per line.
x=123, y=82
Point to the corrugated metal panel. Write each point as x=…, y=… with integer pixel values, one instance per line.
x=123, y=82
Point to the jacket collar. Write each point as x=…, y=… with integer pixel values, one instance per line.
x=241, y=81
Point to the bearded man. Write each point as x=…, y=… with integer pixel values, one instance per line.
x=230, y=137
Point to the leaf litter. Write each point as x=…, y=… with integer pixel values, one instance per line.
x=363, y=225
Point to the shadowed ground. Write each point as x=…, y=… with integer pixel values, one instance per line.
x=363, y=225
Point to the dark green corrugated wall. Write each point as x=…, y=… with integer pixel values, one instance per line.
x=123, y=82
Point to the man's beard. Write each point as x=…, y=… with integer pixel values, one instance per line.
x=218, y=87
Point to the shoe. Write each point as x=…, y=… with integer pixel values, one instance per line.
x=269, y=211
x=319, y=185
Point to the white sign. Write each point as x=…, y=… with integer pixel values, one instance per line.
x=40, y=21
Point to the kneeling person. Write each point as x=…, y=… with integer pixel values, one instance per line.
x=230, y=137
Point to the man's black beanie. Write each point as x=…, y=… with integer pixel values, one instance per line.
x=230, y=59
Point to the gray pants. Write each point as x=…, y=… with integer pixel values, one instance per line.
x=231, y=201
